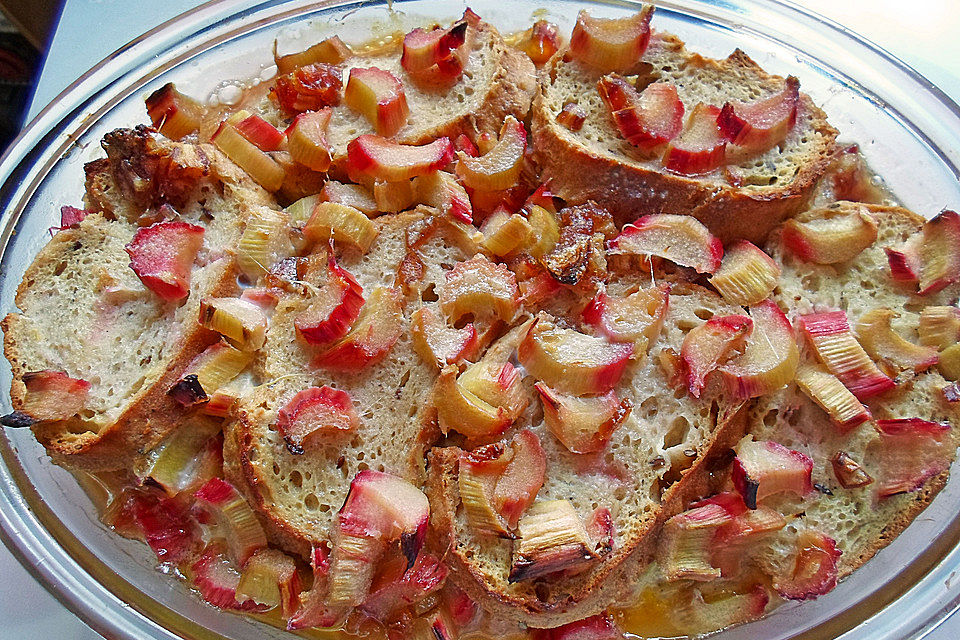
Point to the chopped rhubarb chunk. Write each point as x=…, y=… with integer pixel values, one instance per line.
x=333, y=309
x=330, y=51
x=878, y=338
x=71, y=216
x=849, y=472
x=434, y=51
x=237, y=522
x=540, y=41
x=308, y=88
x=161, y=255
x=571, y=361
x=931, y=257
x=388, y=599
x=376, y=330
x=379, y=96
x=582, y=424
x=172, y=113
x=316, y=411
x=770, y=358
x=814, y=568
x=761, y=124
x=746, y=275
x=611, y=44
x=517, y=486
x=270, y=580
x=260, y=132
x=500, y=167
x=637, y=317
x=683, y=240
x=241, y=322
x=167, y=527
x=342, y=223
x=49, y=395
x=552, y=538
x=259, y=165
x=765, y=468
x=828, y=392
x=700, y=148
x=830, y=235
x=390, y=161
x=598, y=627
x=312, y=611
x=830, y=335
x=480, y=287
x=440, y=344
x=910, y=452
x=647, y=119
x=217, y=579
x=709, y=345
x=939, y=326
x=685, y=543
x=307, y=139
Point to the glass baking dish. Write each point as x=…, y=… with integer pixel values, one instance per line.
x=908, y=130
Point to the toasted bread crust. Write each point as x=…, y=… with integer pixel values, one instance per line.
x=630, y=187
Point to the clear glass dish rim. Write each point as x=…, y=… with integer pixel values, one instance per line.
x=82, y=587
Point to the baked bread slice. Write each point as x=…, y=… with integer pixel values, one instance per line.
x=497, y=81
x=656, y=461
x=83, y=310
x=859, y=521
x=745, y=199
x=297, y=495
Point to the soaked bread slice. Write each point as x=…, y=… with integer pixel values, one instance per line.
x=746, y=198
x=83, y=310
x=654, y=463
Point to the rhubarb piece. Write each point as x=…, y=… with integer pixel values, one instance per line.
x=483, y=401
x=830, y=235
x=552, y=538
x=517, y=486
x=939, y=327
x=261, y=167
x=686, y=541
x=342, y=223
x=308, y=88
x=701, y=146
x=333, y=309
x=388, y=508
x=709, y=345
x=389, y=598
x=477, y=480
x=313, y=611
x=307, y=139
x=438, y=343
x=911, y=451
x=315, y=413
x=379, y=96
x=393, y=197
x=598, y=627
x=680, y=239
x=373, y=334
x=222, y=402
x=217, y=579
x=814, y=568
x=270, y=580
x=437, y=51
x=540, y=41
x=50, y=395
x=746, y=275
x=172, y=113
x=572, y=116
x=830, y=335
x=162, y=255
x=611, y=44
x=480, y=287
x=883, y=343
x=755, y=126
x=390, y=161
x=235, y=519
x=241, y=322
x=330, y=51
x=571, y=361
x=764, y=468
x=828, y=392
x=167, y=527
x=352, y=195
x=500, y=167
x=949, y=362
x=71, y=217
x=769, y=361
x=636, y=318
x=951, y=392
x=647, y=119
x=728, y=610
x=582, y=424
x=930, y=258
x=748, y=528
x=265, y=241
x=506, y=234
x=442, y=191
x=849, y=472
x=175, y=464
x=260, y=132
x=544, y=229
